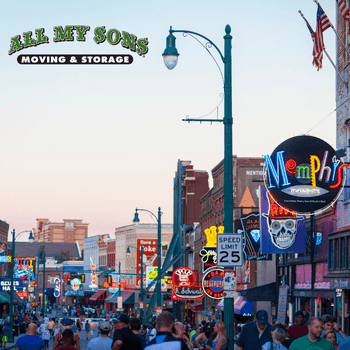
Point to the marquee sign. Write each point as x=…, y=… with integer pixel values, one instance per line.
x=94, y=283
x=213, y=282
x=304, y=175
x=184, y=287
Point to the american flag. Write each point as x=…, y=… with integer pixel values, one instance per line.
x=323, y=24
x=318, y=57
x=344, y=11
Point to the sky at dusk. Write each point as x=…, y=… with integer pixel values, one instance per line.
x=93, y=142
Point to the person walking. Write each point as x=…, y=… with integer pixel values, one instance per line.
x=45, y=335
x=135, y=325
x=124, y=338
x=329, y=323
x=103, y=342
x=330, y=335
x=278, y=336
x=313, y=340
x=298, y=329
x=164, y=339
x=87, y=329
x=180, y=332
x=67, y=323
x=30, y=341
x=255, y=334
x=67, y=340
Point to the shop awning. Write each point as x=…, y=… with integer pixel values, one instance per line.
x=3, y=298
x=73, y=293
x=6, y=298
x=99, y=295
x=266, y=292
x=196, y=306
x=128, y=297
x=242, y=307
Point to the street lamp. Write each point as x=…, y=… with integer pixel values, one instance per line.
x=141, y=275
x=136, y=220
x=170, y=56
x=14, y=237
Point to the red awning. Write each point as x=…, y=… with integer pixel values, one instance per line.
x=99, y=295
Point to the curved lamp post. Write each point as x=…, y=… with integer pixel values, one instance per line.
x=141, y=274
x=136, y=221
x=14, y=237
x=170, y=57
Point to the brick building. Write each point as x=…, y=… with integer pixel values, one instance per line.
x=247, y=177
x=338, y=274
x=68, y=231
x=111, y=253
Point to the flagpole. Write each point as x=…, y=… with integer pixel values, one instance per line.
x=336, y=33
x=325, y=51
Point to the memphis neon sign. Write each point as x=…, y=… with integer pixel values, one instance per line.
x=303, y=174
x=315, y=171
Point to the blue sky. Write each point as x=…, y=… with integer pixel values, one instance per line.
x=94, y=142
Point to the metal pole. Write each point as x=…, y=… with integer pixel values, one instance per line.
x=11, y=337
x=43, y=308
x=37, y=279
x=228, y=181
x=119, y=289
x=141, y=284
x=159, y=293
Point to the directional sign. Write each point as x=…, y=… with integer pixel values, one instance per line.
x=229, y=250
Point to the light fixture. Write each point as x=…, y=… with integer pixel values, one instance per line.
x=128, y=251
x=136, y=219
x=170, y=54
x=31, y=237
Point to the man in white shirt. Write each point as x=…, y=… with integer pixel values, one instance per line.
x=103, y=342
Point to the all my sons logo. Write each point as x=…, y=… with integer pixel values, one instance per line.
x=78, y=32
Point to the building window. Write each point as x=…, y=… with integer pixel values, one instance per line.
x=342, y=253
x=348, y=255
x=331, y=254
x=164, y=250
x=336, y=253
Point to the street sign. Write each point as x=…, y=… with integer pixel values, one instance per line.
x=120, y=302
x=229, y=250
x=229, y=283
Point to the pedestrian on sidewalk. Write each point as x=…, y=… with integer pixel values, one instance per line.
x=87, y=329
x=135, y=325
x=164, y=338
x=313, y=340
x=67, y=323
x=6, y=331
x=124, y=338
x=68, y=340
x=103, y=342
x=255, y=334
x=30, y=341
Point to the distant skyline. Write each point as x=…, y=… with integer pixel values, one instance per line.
x=95, y=142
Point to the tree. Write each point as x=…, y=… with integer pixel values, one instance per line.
x=63, y=255
x=41, y=253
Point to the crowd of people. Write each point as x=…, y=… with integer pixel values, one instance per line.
x=306, y=334
x=123, y=332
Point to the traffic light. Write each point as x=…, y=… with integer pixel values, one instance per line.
x=82, y=277
x=109, y=279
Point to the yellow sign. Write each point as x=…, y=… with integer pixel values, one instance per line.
x=212, y=235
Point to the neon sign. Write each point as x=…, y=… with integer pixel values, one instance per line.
x=213, y=282
x=24, y=269
x=184, y=288
x=304, y=175
x=94, y=283
x=211, y=235
x=57, y=289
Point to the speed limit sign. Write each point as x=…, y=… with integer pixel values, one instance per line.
x=229, y=250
